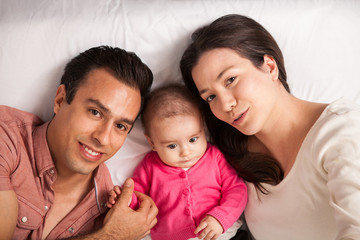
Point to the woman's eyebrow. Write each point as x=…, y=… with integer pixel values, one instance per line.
x=217, y=78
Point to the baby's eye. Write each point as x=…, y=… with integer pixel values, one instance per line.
x=194, y=139
x=229, y=81
x=172, y=146
x=210, y=98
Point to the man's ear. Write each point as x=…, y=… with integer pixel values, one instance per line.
x=60, y=98
x=271, y=66
x=151, y=143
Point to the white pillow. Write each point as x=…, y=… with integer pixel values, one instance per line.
x=320, y=42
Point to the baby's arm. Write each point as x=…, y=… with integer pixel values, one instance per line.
x=233, y=194
x=141, y=184
x=210, y=228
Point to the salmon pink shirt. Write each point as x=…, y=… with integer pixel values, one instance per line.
x=27, y=168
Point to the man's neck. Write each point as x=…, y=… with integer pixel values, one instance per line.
x=69, y=192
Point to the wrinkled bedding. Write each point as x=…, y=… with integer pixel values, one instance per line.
x=320, y=42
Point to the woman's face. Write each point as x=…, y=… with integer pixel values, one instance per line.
x=237, y=92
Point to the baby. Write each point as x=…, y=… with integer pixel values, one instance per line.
x=197, y=192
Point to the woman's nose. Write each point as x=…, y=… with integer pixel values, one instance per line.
x=228, y=102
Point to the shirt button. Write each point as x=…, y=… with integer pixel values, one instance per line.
x=46, y=208
x=182, y=174
x=24, y=219
x=52, y=171
x=186, y=192
x=71, y=229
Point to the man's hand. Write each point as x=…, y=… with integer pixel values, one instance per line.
x=210, y=228
x=121, y=222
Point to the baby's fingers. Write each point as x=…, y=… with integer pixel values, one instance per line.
x=112, y=197
x=117, y=190
x=199, y=228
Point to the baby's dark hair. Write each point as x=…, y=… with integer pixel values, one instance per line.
x=169, y=100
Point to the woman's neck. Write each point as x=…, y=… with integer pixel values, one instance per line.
x=287, y=128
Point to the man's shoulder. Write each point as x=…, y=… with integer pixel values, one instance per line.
x=10, y=115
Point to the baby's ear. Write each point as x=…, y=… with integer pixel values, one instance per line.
x=151, y=143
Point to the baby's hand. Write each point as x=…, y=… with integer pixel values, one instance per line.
x=113, y=195
x=210, y=228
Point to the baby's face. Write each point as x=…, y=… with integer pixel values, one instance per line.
x=180, y=141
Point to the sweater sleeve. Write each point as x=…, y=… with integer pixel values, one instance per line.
x=338, y=151
x=141, y=179
x=141, y=182
x=233, y=194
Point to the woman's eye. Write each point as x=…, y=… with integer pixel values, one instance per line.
x=95, y=112
x=229, y=81
x=172, y=146
x=210, y=98
x=194, y=139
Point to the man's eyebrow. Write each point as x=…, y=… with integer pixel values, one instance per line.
x=107, y=111
x=99, y=104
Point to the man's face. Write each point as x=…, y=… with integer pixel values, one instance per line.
x=93, y=127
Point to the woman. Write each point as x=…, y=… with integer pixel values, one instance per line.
x=301, y=159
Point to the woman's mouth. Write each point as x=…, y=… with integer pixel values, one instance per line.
x=240, y=118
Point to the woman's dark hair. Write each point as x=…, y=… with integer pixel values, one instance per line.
x=251, y=41
x=125, y=66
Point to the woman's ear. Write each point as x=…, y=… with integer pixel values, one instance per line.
x=271, y=66
x=151, y=143
x=60, y=98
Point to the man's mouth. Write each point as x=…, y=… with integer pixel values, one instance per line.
x=89, y=153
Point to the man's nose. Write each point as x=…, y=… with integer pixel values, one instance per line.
x=102, y=133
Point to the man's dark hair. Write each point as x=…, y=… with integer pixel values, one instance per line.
x=125, y=66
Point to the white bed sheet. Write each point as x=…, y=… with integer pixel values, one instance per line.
x=320, y=42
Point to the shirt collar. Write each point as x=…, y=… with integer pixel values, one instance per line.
x=43, y=159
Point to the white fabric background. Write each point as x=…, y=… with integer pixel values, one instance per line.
x=319, y=39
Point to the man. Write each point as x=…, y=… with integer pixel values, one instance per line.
x=53, y=183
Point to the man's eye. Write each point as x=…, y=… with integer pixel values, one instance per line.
x=210, y=98
x=172, y=146
x=194, y=139
x=121, y=127
x=95, y=112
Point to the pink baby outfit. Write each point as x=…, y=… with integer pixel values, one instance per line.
x=185, y=197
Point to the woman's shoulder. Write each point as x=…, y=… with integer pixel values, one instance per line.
x=337, y=131
x=343, y=105
x=340, y=114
